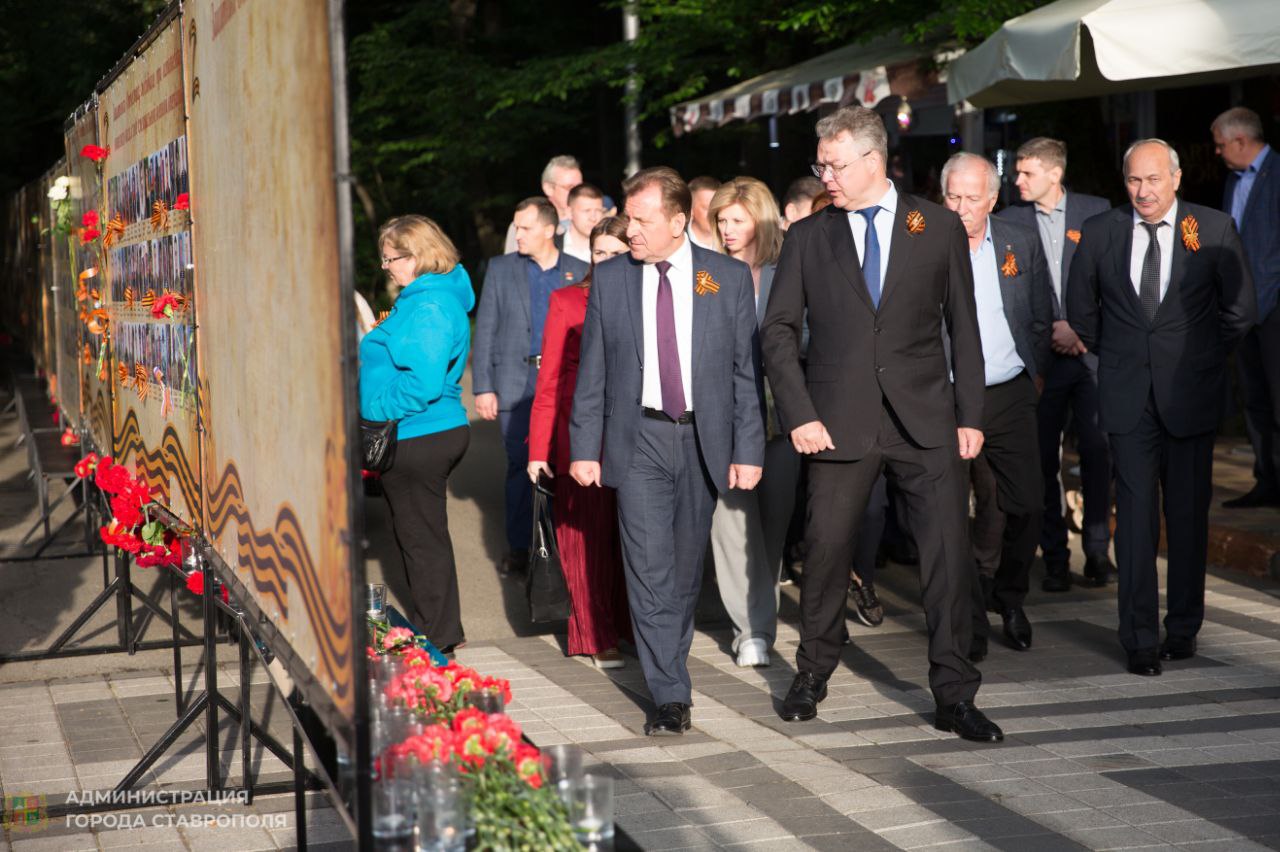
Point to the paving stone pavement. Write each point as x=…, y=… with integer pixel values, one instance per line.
x=1093, y=758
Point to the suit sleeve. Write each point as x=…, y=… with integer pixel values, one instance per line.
x=960, y=313
x=586, y=421
x=1083, y=311
x=1238, y=300
x=542, y=415
x=782, y=333
x=748, y=393
x=486, y=329
x=1042, y=301
x=420, y=353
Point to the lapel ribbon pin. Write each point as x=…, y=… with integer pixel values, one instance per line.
x=1190, y=233
x=915, y=222
x=704, y=283
x=1010, y=266
x=1074, y=236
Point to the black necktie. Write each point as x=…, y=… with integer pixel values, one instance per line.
x=1149, y=283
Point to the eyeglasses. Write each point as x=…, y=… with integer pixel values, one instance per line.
x=387, y=261
x=820, y=169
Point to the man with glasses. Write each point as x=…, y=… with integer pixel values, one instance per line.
x=507, y=350
x=879, y=272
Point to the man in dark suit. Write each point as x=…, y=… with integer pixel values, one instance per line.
x=879, y=273
x=1160, y=291
x=668, y=410
x=1252, y=197
x=1071, y=378
x=506, y=351
x=1015, y=311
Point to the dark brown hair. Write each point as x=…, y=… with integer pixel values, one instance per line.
x=676, y=197
x=609, y=226
x=546, y=210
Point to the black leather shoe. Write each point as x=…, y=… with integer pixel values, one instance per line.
x=1099, y=570
x=671, y=720
x=968, y=721
x=1057, y=579
x=1017, y=629
x=977, y=650
x=514, y=564
x=801, y=703
x=1255, y=498
x=1145, y=662
x=1178, y=648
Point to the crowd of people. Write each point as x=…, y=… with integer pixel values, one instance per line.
x=855, y=367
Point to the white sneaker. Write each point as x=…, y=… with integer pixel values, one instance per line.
x=753, y=652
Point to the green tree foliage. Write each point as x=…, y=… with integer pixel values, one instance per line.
x=52, y=53
x=458, y=103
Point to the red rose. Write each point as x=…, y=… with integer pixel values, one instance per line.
x=183, y=202
x=90, y=219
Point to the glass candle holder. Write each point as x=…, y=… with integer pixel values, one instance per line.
x=590, y=801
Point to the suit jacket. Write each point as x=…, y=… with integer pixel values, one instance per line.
x=856, y=353
x=1028, y=295
x=557, y=377
x=1260, y=230
x=1181, y=356
x=1079, y=208
x=727, y=395
x=504, y=326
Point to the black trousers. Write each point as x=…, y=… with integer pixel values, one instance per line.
x=1071, y=385
x=1258, y=360
x=932, y=483
x=416, y=488
x=1151, y=462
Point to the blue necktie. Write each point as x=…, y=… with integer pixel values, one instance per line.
x=871, y=256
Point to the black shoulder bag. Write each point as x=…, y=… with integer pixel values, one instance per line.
x=378, y=444
x=548, y=594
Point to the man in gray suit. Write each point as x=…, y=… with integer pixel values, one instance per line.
x=1014, y=298
x=1071, y=380
x=506, y=351
x=669, y=411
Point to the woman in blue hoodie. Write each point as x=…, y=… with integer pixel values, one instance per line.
x=411, y=371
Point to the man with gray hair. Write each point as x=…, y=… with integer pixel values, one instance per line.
x=1014, y=299
x=879, y=272
x=559, y=176
x=1160, y=290
x=1252, y=197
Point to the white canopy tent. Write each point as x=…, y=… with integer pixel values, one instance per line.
x=1085, y=48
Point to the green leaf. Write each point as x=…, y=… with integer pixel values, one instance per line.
x=153, y=532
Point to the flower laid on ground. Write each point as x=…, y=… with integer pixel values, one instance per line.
x=396, y=637
x=95, y=152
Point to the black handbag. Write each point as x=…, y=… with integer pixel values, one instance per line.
x=377, y=444
x=548, y=594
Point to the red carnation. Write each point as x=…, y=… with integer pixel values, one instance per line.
x=85, y=466
x=164, y=306
x=183, y=202
x=88, y=235
x=95, y=152
x=90, y=219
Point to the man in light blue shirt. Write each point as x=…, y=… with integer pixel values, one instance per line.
x=1014, y=296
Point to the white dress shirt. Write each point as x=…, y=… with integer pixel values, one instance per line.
x=1164, y=235
x=681, y=277
x=884, y=229
x=693, y=238
x=999, y=351
x=573, y=248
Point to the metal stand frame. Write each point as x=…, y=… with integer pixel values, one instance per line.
x=124, y=590
x=208, y=704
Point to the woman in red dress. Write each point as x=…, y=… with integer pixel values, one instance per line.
x=586, y=519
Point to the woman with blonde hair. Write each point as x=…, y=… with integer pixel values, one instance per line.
x=749, y=528
x=411, y=372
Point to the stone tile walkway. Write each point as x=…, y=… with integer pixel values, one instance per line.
x=1094, y=758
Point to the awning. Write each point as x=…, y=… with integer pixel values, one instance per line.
x=1085, y=48
x=858, y=73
